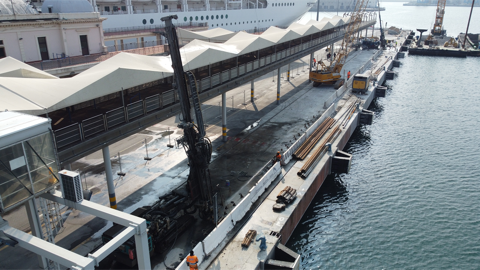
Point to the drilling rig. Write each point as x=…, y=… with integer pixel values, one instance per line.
x=331, y=74
x=197, y=147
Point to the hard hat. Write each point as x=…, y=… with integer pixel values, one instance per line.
x=278, y=152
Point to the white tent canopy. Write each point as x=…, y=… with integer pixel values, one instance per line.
x=211, y=35
x=11, y=67
x=26, y=89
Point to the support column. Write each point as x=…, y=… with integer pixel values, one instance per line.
x=252, y=91
x=64, y=38
x=138, y=43
x=224, y=117
x=143, y=254
x=278, y=86
x=142, y=40
x=116, y=45
x=288, y=73
x=109, y=175
x=332, y=53
x=36, y=228
x=310, y=67
x=121, y=44
x=68, y=166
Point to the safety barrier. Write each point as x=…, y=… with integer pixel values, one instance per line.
x=219, y=234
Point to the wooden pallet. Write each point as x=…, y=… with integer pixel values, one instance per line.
x=249, y=237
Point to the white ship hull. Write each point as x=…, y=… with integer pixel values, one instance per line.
x=235, y=20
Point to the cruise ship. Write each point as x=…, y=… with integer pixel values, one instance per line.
x=234, y=15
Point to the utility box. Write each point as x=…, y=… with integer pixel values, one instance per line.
x=361, y=82
x=71, y=186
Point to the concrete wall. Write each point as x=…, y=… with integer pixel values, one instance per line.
x=20, y=37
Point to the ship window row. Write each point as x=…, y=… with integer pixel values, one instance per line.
x=206, y=17
x=226, y=16
x=144, y=21
x=283, y=4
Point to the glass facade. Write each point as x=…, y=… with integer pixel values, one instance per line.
x=25, y=169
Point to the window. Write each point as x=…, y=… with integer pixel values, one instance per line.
x=165, y=6
x=221, y=16
x=151, y=21
x=217, y=17
x=185, y=19
x=226, y=16
x=201, y=18
x=49, y=9
x=207, y=17
x=196, y=18
x=115, y=8
x=2, y=50
x=144, y=21
x=107, y=9
x=191, y=18
x=124, y=8
x=213, y=17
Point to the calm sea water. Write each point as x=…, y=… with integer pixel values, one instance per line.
x=395, y=14
x=412, y=197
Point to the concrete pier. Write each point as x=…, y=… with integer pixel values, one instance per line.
x=277, y=227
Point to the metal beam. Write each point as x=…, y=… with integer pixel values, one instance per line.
x=112, y=245
x=98, y=210
x=48, y=250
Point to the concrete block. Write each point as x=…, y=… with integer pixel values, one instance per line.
x=380, y=91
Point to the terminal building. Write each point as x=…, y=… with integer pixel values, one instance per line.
x=59, y=31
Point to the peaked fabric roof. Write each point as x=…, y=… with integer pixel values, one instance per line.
x=11, y=67
x=26, y=89
x=211, y=35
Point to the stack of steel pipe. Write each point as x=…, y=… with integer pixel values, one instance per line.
x=316, y=156
x=311, y=141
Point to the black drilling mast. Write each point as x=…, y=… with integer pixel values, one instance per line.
x=197, y=147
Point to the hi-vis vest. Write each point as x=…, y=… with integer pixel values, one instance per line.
x=192, y=261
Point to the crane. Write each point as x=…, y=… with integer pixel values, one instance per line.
x=437, y=27
x=197, y=147
x=382, y=35
x=331, y=74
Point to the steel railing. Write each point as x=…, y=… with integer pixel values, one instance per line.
x=114, y=118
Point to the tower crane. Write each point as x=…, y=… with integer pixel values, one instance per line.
x=437, y=27
x=331, y=74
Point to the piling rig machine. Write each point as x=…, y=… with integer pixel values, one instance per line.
x=331, y=74
x=173, y=213
x=197, y=147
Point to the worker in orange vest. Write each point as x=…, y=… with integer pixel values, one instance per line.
x=348, y=75
x=314, y=62
x=192, y=261
x=277, y=158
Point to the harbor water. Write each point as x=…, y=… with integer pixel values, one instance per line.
x=411, y=199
